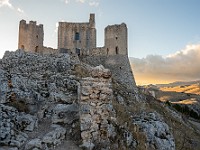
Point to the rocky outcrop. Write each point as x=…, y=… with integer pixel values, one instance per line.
x=11, y=130
x=48, y=101
x=33, y=88
x=158, y=135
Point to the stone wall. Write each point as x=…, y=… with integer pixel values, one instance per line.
x=31, y=36
x=49, y=50
x=99, y=51
x=80, y=36
x=96, y=108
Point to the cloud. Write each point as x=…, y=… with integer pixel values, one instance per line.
x=56, y=27
x=94, y=3
x=6, y=3
x=81, y=1
x=180, y=66
x=67, y=1
x=20, y=10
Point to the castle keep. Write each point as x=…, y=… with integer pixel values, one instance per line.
x=79, y=38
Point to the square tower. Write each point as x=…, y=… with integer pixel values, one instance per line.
x=77, y=37
x=31, y=36
x=116, y=39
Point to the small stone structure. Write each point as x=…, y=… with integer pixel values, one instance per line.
x=96, y=108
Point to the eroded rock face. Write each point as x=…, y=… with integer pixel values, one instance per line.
x=10, y=135
x=35, y=88
x=158, y=135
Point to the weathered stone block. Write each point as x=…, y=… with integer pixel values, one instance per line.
x=86, y=135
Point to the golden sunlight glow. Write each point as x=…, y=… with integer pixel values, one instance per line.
x=186, y=102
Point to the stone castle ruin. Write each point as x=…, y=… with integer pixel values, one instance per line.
x=95, y=94
x=78, y=96
x=79, y=38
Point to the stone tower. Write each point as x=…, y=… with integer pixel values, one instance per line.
x=116, y=39
x=30, y=36
x=77, y=37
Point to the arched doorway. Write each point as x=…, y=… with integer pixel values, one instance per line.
x=22, y=46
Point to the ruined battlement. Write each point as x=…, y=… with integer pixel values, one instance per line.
x=116, y=26
x=75, y=37
x=31, y=23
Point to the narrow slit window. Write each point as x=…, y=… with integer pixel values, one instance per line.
x=78, y=51
x=77, y=36
x=117, y=50
x=36, y=49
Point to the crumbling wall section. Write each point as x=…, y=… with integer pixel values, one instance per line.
x=122, y=75
x=99, y=51
x=95, y=98
x=49, y=50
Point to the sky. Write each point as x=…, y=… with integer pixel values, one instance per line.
x=157, y=30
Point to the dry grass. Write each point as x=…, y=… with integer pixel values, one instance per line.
x=187, y=101
x=193, y=89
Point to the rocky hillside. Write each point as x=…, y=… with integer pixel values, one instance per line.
x=59, y=102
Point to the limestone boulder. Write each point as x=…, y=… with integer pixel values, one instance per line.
x=100, y=71
x=156, y=130
x=63, y=113
x=34, y=143
x=26, y=122
x=54, y=137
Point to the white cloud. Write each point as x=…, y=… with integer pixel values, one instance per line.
x=56, y=28
x=20, y=10
x=67, y=1
x=182, y=65
x=6, y=3
x=94, y=3
x=81, y=1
